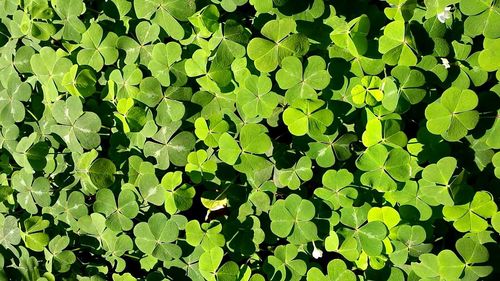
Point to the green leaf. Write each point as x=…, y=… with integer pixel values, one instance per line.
x=156, y=236
x=395, y=46
x=102, y=173
x=452, y=115
x=166, y=13
x=291, y=219
x=267, y=54
x=299, y=83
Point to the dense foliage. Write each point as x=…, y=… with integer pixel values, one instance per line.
x=249, y=140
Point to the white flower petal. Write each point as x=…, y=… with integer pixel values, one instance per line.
x=317, y=253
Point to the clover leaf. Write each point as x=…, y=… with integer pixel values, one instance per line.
x=445, y=265
x=10, y=233
x=167, y=148
x=31, y=193
x=307, y=117
x=300, y=171
x=253, y=139
x=291, y=218
x=482, y=17
x=284, y=263
x=118, y=212
x=200, y=167
x=337, y=270
x=473, y=252
x=436, y=184
x=78, y=129
x=210, y=133
x=50, y=68
x=207, y=235
x=255, y=97
x=382, y=167
x=410, y=84
x=177, y=197
x=57, y=257
x=268, y=53
x=162, y=59
x=395, y=46
x=489, y=55
x=96, y=51
x=329, y=148
x=336, y=188
x=299, y=83
x=368, y=92
x=156, y=236
x=12, y=97
x=34, y=235
x=409, y=243
x=167, y=14
x=471, y=217
x=453, y=114
x=210, y=261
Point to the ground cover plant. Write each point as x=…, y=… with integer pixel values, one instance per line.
x=249, y=140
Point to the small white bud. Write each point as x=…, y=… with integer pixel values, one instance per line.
x=445, y=63
x=445, y=14
x=317, y=253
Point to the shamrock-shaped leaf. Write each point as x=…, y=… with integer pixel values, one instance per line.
x=471, y=217
x=96, y=51
x=50, y=69
x=12, y=97
x=410, y=84
x=299, y=83
x=255, y=97
x=330, y=148
x=489, y=57
x=79, y=83
x=268, y=53
x=473, y=253
x=162, y=59
x=291, y=218
x=483, y=15
x=210, y=133
x=200, y=167
x=306, y=117
x=34, y=235
x=336, y=188
x=56, y=255
x=453, y=114
x=436, y=184
x=409, y=242
x=207, y=235
x=209, y=262
x=284, y=264
x=118, y=215
x=77, y=128
x=146, y=33
x=445, y=265
x=168, y=148
x=383, y=167
x=395, y=46
x=300, y=171
x=156, y=236
x=69, y=209
x=167, y=14
x=178, y=196
x=388, y=215
x=337, y=270
x=10, y=233
x=31, y=192
x=253, y=139
x=368, y=92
